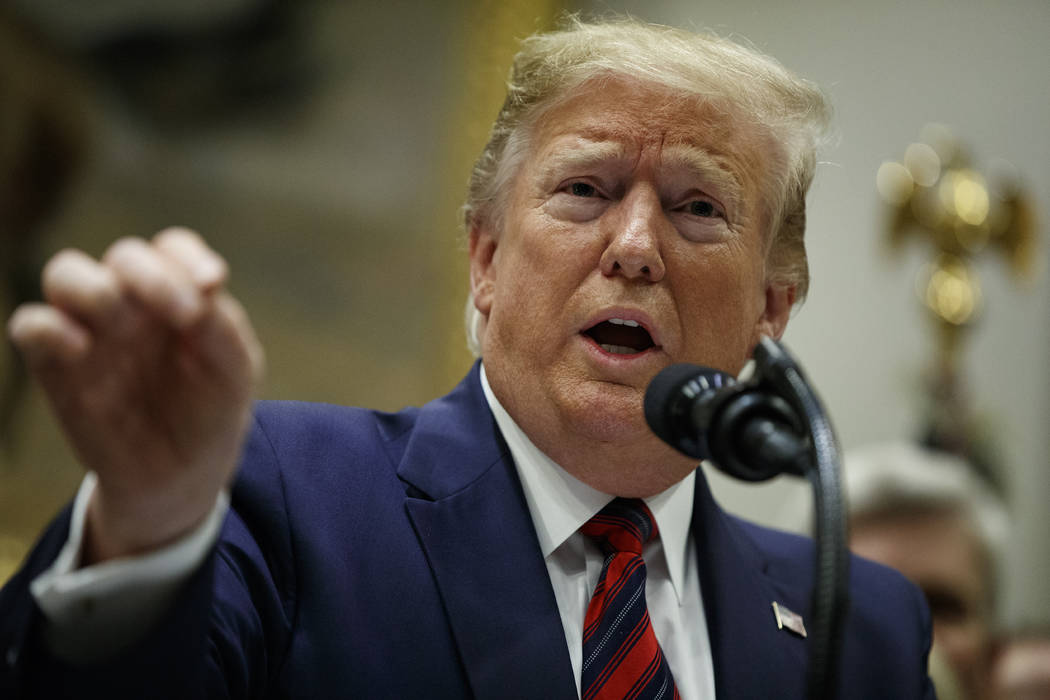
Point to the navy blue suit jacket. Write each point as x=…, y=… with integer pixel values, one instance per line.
x=379, y=555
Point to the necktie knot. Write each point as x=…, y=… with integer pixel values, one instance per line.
x=624, y=525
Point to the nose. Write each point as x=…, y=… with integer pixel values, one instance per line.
x=633, y=250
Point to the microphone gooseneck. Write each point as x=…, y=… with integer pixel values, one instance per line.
x=754, y=430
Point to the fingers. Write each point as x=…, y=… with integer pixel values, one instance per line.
x=203, y=265
x=174, y=280
x=226, y=341
x=170, y=278
x=77, y=284
x=225, y=336
x=46, y=335
x=170, y=275
x=237, y=321
x=156, y=281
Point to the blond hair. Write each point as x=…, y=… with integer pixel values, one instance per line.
x=549, y=66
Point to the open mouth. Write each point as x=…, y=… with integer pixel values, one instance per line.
x=620, y=337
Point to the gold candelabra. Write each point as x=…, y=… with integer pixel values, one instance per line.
x=936, y=195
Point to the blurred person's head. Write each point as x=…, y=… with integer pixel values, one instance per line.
x=926, y=514
x=1022, y=666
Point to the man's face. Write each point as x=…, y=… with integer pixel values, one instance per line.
x=632, y=241
x=941, y=555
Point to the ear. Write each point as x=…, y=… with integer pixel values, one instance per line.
x=780, y=298
x=483, y=261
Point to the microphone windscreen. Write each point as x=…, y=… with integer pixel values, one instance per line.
x=669, y=401
x=660, y=396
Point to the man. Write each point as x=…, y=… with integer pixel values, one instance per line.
x=926, y=514
x=640, y=203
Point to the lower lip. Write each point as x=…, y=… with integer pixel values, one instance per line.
x=615, y=359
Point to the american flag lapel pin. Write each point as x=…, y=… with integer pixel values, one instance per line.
x=789, y=620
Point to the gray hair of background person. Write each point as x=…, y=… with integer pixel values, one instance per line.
x=790, y=113
x=900, y=478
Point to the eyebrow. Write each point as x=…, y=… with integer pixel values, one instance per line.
x=706, y=167
x=581, y=153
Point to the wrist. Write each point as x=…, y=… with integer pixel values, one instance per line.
x=123, y=527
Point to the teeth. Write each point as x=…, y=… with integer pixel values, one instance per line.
x=623, y=322
x=618, y=349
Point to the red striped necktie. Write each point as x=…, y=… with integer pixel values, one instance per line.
x=621, y=657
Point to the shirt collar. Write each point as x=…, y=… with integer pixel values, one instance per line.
x=560, y=504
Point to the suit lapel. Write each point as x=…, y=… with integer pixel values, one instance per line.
x=470, y=516
x=752, y=657
x=469, y=513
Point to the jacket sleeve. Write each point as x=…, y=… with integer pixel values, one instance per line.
x=224, y=636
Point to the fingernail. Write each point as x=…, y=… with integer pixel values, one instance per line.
x=208, y=271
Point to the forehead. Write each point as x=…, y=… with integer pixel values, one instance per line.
x=620, y=118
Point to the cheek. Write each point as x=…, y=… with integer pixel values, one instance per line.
x=720, y=299
x=538, y=272
x=557, y=253
x=723, y=284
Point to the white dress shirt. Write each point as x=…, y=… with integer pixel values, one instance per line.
x=560, y=504
x=96, y=609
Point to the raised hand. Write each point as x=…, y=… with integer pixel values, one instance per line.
x=150, y=366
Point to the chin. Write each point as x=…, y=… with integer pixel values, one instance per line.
x=607, y=413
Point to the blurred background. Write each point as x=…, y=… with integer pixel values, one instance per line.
x=323, y=147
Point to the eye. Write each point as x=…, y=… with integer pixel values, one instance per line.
x=703, y=208
x=700, y=218
x=577, y=200
x=582, y=189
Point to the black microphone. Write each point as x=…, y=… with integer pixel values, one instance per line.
x=772, y=423
x=747, y=431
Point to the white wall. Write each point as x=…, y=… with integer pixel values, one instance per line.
x=890, y=67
